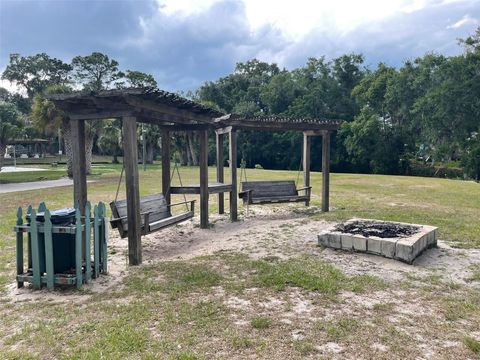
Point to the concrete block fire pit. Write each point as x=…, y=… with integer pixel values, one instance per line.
x=400, y=241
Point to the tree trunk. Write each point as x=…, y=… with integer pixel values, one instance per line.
x=3, y=147
x=187, y=158
x=150, y=152
x=88, y=152
x=191, y=146
x=67, y=138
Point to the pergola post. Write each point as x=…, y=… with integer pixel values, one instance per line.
x=220, y=175
x=79, y=164
x=166, y=165
x=325, y=171
x=233, y=174
x=306, y=164
x=132, y=189
x=203, y=179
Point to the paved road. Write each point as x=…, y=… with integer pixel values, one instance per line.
x=6, y=188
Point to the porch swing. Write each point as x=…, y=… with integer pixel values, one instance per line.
x=272, y=191
x=155, y=213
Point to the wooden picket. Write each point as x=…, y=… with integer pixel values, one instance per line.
x=42, y=241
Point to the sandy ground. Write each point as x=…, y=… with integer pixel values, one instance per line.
x=289, y=231
x=268, y=231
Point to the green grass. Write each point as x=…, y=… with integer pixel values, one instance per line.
x=261, y=322
x=172, y=308
x=472, y=344
x=30, y=176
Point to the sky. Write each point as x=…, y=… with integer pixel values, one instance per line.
x=184, y=43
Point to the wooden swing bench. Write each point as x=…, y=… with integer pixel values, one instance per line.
x=270, y=192
x=155, y=214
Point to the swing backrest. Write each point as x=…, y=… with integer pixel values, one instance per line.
x=270, y=189
x=155, y=205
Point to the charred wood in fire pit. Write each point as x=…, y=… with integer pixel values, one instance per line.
x=378, y=229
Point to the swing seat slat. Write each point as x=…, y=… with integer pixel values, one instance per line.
x=270, y=192
x=155, y=214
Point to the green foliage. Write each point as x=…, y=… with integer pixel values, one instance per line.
x=472, y=344
x=96, y=71
x=138, y=79
x=35, y=73
x=261, y=322
x=110, y=140
x=10, y=126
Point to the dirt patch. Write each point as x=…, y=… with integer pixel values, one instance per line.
x=281, y=232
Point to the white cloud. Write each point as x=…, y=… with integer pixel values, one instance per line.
x=299, y=18
x=465, y=21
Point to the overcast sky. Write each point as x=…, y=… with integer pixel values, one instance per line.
x=186, y=42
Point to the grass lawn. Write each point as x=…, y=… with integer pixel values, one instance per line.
x=229, y=304
x=29, y=176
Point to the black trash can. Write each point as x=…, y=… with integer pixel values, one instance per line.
x=63, y=244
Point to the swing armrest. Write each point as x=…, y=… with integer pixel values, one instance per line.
x=245, y=193
x=116, y=220
x=191, y=202
x=306, y=188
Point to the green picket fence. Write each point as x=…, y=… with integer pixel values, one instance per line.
x=61, y=254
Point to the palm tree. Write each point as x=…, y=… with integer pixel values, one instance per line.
x=10, y=126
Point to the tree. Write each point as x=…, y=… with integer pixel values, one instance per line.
x=96, y=71
x=110, y=141
x=47, y=118
x=138, y=79
x=10, y=126
x=35, y=73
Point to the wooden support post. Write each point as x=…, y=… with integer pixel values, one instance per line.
x=233, y=174
x=79, y=164
x=306, y=165
x=166, y=165
x=203, y=179
x=132, y=189
x=220, y=177
x=325, y=171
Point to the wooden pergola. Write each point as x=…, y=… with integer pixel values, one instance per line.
x=172, y=114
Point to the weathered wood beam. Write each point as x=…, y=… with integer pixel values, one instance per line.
x=165, y=109
x=79, y=164
x=220, y=175
x=166, y=165
x=306, y=163
x=203, y=179
x=280, y=126
x=232, y=146
x=132, y=190
x=223, y=130
x=326, y=171
x=99, y=115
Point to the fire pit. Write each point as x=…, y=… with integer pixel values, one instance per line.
x=394, y=240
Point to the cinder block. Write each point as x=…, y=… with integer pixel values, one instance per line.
x=404, y=251
x=335, y=241
x=347, y=242
x=374, y=245
x=323, y=239
x=388, y=248
x=359, y=243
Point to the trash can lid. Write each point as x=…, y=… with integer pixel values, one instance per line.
x=58, y=215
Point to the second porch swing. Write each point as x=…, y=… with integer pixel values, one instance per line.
x=272, y=191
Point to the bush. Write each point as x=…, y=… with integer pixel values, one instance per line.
x=258, y=166
x=417, y=168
